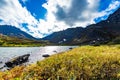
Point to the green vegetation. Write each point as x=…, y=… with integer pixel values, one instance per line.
x=19, y=42
x=83, y=63
x=115, y=41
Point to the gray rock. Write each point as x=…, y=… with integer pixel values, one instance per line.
x=46, y=55
x=17, y=61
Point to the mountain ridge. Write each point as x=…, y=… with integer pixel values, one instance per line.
x=12, y=31
x=100, y=33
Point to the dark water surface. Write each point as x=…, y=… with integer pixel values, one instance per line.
x=7, y=53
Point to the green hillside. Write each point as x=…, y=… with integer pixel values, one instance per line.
x=14, y=41
x=82, y=63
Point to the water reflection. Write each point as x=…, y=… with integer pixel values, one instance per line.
x=7, y=53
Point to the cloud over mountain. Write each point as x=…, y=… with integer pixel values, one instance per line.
x=12, y=13
x=61, y=14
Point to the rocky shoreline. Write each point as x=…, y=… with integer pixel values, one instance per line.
x=9, y=62
x=16, y=61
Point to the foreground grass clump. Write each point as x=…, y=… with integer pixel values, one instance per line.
x=83, y=63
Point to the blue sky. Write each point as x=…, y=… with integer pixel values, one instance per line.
x=43, y=17
x=35, y=7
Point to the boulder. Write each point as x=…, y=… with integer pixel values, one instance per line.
x=46, y=55
x=55, y=51
x=71, y=48
x=17, y=61
x=1, y=62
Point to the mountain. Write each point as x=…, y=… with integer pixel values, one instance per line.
x=65, y=36
x=12, y=36
x=104, y=31
x=12, y=31
x=100, y=33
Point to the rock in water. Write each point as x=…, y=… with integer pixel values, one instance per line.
x=71, y=48
x=1, y=62
x=17, y=61
x=46, y=55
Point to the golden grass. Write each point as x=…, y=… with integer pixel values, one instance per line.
x=82, y=63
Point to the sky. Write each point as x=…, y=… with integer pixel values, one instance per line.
x=40, y=18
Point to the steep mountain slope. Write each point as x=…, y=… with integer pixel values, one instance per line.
x=14, y=32
x=100, y=33
x=104, y=31
x=66, y=36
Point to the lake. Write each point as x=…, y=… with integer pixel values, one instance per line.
x=7, y=53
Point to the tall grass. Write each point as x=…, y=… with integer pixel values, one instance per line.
x=83, y=63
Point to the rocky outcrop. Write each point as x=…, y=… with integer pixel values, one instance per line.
x=17, y=61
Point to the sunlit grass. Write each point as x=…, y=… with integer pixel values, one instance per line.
x=83, y=63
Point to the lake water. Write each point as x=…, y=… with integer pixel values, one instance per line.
x=7, y=53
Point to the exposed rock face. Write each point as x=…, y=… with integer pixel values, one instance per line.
x=17, y=61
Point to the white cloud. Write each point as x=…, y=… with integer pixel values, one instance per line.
x=12, y=13
x=61, y=14
x=111, y=8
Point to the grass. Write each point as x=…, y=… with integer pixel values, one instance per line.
x=6, y=41
x=82, y=63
